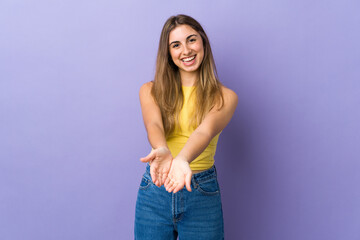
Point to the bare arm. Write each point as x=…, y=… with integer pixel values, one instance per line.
x=214, y=122
x=160, y=157
x=152, y=117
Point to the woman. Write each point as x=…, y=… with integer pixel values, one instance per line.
x=184, y=109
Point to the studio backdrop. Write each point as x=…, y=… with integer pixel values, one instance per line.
x=72, y=134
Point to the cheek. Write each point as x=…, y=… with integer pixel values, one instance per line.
x=199, y=48
x=173, y=55
x=201, y=55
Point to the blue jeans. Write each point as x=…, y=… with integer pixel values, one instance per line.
x=190, y=215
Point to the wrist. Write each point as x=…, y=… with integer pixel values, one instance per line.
x=181, y=158
x=163, y=147
x=164, y=152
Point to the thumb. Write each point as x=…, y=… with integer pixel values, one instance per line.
x=149, y=157
x=188, y=182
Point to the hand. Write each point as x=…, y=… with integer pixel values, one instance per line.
x=179, y=175
x=160, y=163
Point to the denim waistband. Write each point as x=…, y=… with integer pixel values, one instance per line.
x=197, y=177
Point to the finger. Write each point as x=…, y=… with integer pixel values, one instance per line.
x=160, y=180
x=167, y=181
x=149, y=157
x=172, y=187
x=178, y=187
x=162, y=176
x=169, y=185
x=188, y=182
x=175, y=186
x=163, y=179
x=153, y=173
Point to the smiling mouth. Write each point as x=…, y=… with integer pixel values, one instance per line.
x=188, y=59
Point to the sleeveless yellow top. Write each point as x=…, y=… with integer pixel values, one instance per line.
x=177, y=139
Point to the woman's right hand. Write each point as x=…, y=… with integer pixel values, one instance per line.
x=160, y=162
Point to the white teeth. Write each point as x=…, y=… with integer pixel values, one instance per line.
x=188, y=59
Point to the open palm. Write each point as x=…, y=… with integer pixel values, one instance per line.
x=160, y=162
x=179, y=175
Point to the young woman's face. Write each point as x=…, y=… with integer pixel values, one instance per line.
x=186, y=48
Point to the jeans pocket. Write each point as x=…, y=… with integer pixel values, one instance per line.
x=208, y=187
x=145, y=183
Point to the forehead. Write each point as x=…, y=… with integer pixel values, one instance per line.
x=181, y=32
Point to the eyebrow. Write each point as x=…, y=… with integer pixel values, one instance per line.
x=186, y=39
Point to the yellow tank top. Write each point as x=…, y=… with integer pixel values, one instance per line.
x=179, y=137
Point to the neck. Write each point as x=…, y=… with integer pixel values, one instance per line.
x=188, y=78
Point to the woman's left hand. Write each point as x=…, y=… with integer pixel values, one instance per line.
x=179, y=175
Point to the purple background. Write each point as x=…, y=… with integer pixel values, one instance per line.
x=71, y=131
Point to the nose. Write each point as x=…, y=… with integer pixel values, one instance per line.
x=187, y=50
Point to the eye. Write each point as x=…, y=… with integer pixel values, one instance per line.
x=175, y=45
x=193, y=40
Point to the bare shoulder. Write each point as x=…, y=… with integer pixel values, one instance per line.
x=145, y=93
x=230, y=97
x=146, y=88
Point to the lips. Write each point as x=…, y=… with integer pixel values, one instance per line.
x=188, y=59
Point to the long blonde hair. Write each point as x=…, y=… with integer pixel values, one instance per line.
x=167, y=90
